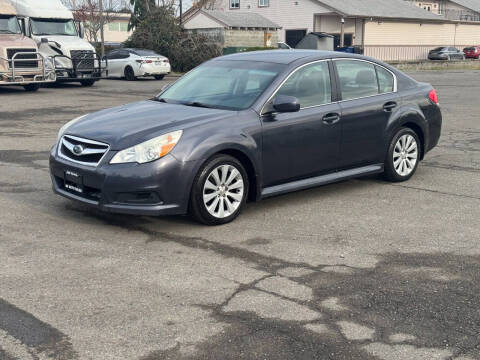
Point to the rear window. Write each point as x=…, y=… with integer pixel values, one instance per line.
x=439, y=49
x=143, y=52
x=469, y=49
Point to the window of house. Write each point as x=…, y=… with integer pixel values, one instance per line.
x=234, y=4
x=386, y=81
x=357, y=79
x=263, y=3
x=310, y=85
x=113, y=26
x=124, y=26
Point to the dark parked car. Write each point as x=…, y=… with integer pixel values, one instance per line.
x=472, y=52
x=246, y=127
x=446, y=53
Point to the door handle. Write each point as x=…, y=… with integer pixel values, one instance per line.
x=331, y=118
x=389, y=106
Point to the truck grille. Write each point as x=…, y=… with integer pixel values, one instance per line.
x=83, y=59
x=25, y=54
x=82, y=151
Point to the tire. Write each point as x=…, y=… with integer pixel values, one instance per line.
x=87, y=83
x=129, y=74
x=159, y=77
x=219, y=199
x=403, y=155
x=31, y=87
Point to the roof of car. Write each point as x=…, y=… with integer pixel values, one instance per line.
x=285, y=56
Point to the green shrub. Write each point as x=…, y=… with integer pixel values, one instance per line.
x=160, y=32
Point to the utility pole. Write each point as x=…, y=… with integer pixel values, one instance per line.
x=102, y=25
x=181, y=12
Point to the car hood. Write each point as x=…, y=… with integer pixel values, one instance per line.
x=129, y=125
x=67, y=43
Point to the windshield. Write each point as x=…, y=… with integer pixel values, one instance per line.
x=232, y=85
x=9, y=25
x=53, y=27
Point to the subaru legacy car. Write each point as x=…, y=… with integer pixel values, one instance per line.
x=246, y=127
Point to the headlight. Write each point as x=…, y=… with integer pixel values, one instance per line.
x=67, y=125
x=49, y=64
x=149, y=150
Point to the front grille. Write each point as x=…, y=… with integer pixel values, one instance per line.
x=83, y=59
x=23, y=54
x=82, y=151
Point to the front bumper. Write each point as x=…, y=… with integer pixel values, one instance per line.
x=161, y=187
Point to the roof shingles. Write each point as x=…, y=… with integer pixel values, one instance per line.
x=241, y=19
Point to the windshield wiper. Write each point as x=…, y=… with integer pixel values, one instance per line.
x=160, y=100
x=198, y=104
x=8, y=32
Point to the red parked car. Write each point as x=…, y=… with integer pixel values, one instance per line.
x=472, y=52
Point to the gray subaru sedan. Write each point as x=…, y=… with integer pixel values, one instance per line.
x=245, y=127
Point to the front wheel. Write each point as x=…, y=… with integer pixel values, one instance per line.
x=219, y=191
x=403, y=156
x=31, y=87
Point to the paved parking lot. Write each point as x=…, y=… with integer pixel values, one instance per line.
x=362, y=269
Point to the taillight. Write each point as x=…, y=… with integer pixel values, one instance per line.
x=144, y=61
x=166, y=60
x=432, y=95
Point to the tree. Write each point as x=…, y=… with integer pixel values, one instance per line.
x=160, y=31
x=94, y=14
x=141, y=10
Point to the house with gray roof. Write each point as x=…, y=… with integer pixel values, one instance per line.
x=233, y=29
x=464, y=10
x=385, y=29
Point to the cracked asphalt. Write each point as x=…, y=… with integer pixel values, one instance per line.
x=361, y=269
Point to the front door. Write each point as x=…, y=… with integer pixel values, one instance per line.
x=304, y=143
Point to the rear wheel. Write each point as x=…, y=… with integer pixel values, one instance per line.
x=31, y=87
x=219, y=191
x=403, y=156
x=159, y=77
x=129, y=74
x=87, y=83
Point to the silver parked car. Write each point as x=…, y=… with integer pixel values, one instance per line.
x=134, y=63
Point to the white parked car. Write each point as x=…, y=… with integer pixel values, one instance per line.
x=133, y=63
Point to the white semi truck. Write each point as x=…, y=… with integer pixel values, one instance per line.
x=53, y=28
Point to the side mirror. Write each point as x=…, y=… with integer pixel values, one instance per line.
x=44, y=41
x=283, y=103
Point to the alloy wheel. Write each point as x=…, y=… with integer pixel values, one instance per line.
x=405, y=155
x=223, y=191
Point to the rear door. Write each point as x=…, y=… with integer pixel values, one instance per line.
x=304, y=143
x=368, y=98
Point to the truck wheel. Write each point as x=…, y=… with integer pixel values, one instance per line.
x=129, y=74
x=31, y=87
x=87, y=83
x=159, y=77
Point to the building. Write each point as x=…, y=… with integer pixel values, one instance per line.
x=465, y=10
x=233, y=29
x=386, y=29
x=115, y=30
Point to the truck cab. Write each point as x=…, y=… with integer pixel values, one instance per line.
x=51, y=25
x=20, y=61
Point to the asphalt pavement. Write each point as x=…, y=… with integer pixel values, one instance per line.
x=362, y=269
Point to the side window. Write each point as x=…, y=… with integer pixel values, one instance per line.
x=123, y=54
x=385, y=80
x=310, y=85
x=357, y=79
x=112, y=55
